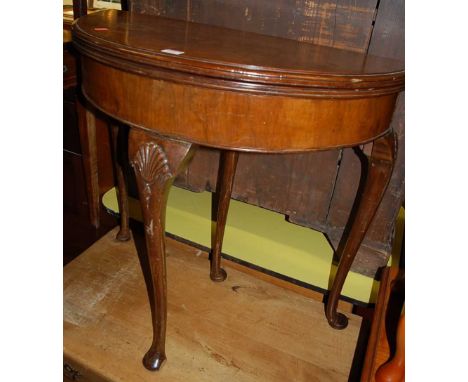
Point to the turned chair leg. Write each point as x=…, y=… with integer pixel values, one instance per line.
x=380, y=167
x=156, y=162
x=394, y=370
x=228, y=164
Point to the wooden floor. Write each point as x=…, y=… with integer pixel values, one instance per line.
x=244, y=329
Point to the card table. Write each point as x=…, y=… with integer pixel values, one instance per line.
x=179, y=85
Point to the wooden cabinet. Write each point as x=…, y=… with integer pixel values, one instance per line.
x=78, y=233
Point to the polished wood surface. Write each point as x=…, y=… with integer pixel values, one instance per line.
x=107, y=322
x=156, y=163
x=233, y=94
x=350, y=121
x=380, y=167
x=355, y=103
x=394, y=370
x=384, y=359
x=226, y=53
x=227, y=173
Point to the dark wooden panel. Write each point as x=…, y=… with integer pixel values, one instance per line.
x=69, y=66
x=176, y=9
x=388, y=37
x=296, y=185
x=78, y=233
x=71, y=135
x=73, y=189
x=202, y=172
x=338, y=23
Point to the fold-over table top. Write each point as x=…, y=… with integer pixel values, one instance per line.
x=231, y=54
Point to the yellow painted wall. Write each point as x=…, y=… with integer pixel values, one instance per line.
x=258, y=236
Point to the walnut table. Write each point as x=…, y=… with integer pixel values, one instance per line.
x=179, y=85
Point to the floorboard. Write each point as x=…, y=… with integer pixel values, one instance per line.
x=243, y=329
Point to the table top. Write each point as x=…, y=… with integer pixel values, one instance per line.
x=235, y=55
x=230, y=89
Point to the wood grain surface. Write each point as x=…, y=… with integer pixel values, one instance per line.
x=244, y=329
x=232, y=54
x=281, y=95
x=337, y=23
x=205, y=116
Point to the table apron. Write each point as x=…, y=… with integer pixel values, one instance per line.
x=233, y=119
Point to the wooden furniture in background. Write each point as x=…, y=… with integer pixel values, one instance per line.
x=394, y=369
x=82, y=161
x=93, y=143
x=385, y=353
x=228, y=165
x=180, y=84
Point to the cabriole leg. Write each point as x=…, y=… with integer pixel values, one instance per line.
x=156, y=162
x=380, y=166
x=228, y=164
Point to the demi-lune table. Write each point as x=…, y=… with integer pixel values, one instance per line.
x=180, y=84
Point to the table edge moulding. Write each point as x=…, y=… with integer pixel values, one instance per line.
x=172, y=86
